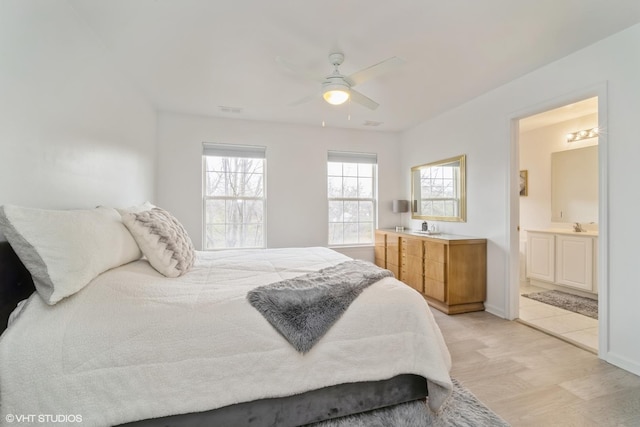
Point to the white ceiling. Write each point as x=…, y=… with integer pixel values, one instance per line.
x=560, y=114
x=193, y=56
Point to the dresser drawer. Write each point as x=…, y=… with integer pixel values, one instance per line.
x=394, y=269
x=393, y=257
x=435, y=289
x=413, y=278
x=380, y=254
x=411, y=247
x=435, y=270
x=435, y=251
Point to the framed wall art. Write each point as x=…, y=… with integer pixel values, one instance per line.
x=524, y=183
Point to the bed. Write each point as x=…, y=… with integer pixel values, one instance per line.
x=136, y=347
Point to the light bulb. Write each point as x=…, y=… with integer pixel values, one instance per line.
x=336, y=96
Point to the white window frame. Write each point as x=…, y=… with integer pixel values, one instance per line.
x=361, y=158
x=233, y=151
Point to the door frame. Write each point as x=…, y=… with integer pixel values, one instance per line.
x=513, y=215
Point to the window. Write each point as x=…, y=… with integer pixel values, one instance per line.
x=233, y=196
x=351, y=183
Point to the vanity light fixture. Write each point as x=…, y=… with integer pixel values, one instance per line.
x=582, y=134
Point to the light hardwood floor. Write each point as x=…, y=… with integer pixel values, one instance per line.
x=530, y=378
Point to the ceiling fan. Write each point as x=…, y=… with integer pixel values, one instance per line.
x=337, y=88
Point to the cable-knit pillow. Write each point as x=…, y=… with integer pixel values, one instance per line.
x=136, y=208
x=162, y=239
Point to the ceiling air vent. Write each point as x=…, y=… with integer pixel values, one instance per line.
x=372, y=123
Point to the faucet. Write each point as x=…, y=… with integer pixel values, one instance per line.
x=577, y=227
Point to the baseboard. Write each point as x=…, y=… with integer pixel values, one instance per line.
x=494, y=310
x=623, y=363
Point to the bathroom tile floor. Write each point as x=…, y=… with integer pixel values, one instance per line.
x=572, y=327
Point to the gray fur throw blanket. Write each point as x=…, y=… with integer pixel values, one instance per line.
x=303, y=309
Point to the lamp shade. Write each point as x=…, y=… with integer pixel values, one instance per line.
x=335, y=91
x=400, y=206
x=336, y=97
x=335, y=94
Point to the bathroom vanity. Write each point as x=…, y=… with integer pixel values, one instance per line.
x=563, y=259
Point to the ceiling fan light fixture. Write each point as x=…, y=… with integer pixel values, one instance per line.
x=336, y=88
x=335, y=93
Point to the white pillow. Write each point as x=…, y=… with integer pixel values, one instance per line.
x=16, y=312
x=65, y=250
x=137, y=208
x=162, y=239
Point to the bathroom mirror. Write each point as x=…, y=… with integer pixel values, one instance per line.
x=574, y=185
x=438, y=190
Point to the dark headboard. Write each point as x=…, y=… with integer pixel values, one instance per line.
x=15, y=283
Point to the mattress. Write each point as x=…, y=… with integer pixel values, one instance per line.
x=134, y=345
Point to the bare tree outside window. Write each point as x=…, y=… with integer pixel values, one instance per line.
x=234, y=198
x=438, y=186
x=352, y=204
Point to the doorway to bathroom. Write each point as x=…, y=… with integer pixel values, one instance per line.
x=559, y=221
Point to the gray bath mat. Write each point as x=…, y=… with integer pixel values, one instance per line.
x=575, y=303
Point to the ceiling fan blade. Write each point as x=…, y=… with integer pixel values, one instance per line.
x=375, y=70
x=304, y=100
x=363, y=100
x=297, y=70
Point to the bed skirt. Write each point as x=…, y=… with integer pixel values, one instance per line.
x=313, y=406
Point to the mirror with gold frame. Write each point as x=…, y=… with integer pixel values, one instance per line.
x=438, y=190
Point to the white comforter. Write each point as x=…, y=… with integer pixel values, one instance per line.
x=134, y=344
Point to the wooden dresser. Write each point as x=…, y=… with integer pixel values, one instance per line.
x=449, y=270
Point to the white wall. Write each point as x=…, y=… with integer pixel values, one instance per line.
x=296, y=173
x=73, y=132
x=481, y=129
x=465, y=131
